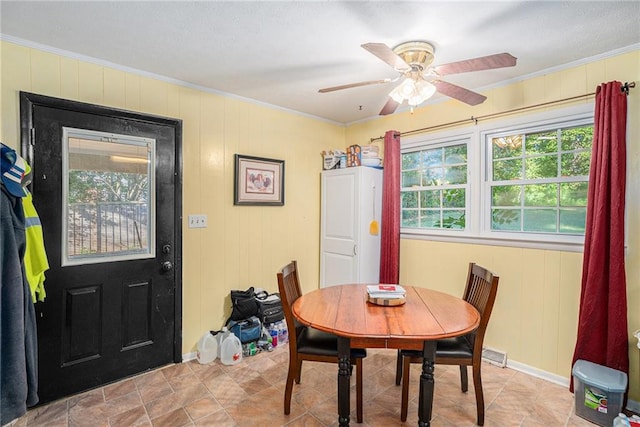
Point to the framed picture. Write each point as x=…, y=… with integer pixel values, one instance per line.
x=258, y=181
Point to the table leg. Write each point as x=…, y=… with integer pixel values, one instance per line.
x=344, y=380
x=426, y=384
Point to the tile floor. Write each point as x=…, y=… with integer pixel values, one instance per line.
x=251, y=394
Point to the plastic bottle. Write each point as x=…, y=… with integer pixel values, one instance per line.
x=273, y=331
x=231, y=349
x=621, y=421
x=285, y=333
x=207, y=349
x=280, y=330
x=219, y=336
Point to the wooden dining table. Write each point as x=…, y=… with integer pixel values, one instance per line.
x=426, y=316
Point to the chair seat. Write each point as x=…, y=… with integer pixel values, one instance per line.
x=453, y=348
x=313, y=341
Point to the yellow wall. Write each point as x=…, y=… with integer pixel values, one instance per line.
x=536, y=313
x=242, y=245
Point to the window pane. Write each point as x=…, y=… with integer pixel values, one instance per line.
x=430, y=219
x=573, y=220
x=507, y=170
x=573, y=193
x=575, y=164
x=543, y=220
x=454, y=219
x=410, y=218
x=453, y=198
x=455, y=154
x=108, y=188
x=430, y=199
x=541, y=195
x=409, y=199
x=432, y=176
x=455, y=175
x=432, y=158
x=540, y=143
x=505, y=219
x=541, y=167
x=506, y=195
x=577, y=138
x=507, y=146
x=410, y=179
x=410, y=160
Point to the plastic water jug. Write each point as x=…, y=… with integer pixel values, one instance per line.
x=231, y=349
x=207, y=349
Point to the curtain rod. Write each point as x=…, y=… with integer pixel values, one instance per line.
x=623, y=88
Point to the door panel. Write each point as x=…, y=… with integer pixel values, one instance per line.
x=103, y=320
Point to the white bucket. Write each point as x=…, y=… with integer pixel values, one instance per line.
x=207, y=349
x=230, y=349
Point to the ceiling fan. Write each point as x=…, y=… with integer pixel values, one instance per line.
x=413, y=61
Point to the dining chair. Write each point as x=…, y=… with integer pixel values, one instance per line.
x=466, y=350
x=306, y=343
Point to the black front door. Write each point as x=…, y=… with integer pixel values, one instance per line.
x=106, y=186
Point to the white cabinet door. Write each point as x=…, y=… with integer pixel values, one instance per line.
x=348, y=252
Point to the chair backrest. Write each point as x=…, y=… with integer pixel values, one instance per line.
x=289, y=288
x=481, y=290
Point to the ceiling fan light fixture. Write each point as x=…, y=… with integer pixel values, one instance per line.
x=415, y=92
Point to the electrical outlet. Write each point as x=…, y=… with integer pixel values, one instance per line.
x=197, y=221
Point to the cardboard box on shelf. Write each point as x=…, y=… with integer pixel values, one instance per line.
x=354, y=156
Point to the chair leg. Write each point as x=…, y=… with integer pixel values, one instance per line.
x=464, y=379
x=359, y=390
x=299, y=371
x=399, y=367
x=406, y=367
x=477, y=384
x=288, y=389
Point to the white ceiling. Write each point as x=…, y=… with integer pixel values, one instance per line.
x=281, y=53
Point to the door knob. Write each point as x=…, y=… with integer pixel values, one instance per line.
x=167, y=266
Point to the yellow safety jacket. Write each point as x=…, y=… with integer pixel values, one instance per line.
x=35, y=256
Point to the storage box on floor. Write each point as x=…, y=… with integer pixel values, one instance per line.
x=598, y=392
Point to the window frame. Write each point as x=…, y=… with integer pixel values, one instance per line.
x=441, y=142
x=478, y=222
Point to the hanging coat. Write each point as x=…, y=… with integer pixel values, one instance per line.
x=18, y=337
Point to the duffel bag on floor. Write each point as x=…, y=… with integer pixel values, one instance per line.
x=246, y=330
x=269, y=308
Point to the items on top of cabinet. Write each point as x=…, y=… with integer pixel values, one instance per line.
x=354, y=155
x=370, y=156
x=333, y=159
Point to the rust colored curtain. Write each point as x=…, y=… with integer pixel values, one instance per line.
x=602, y=322
x=390, y=230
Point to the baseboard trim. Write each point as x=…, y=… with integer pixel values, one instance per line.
x=188, y=357
x=538, y=373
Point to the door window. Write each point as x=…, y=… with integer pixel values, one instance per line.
x=108, y=197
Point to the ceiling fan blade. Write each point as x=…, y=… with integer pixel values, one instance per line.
x=350, y=85
x=389, y=107
x=461, y=94
x=385, y=53
x=499, y=60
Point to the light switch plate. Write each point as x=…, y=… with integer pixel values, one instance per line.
x=197, y=221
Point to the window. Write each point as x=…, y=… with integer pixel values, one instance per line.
x=539, y=179
x=517, y=182
x=108, y=197
x=434, y=187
